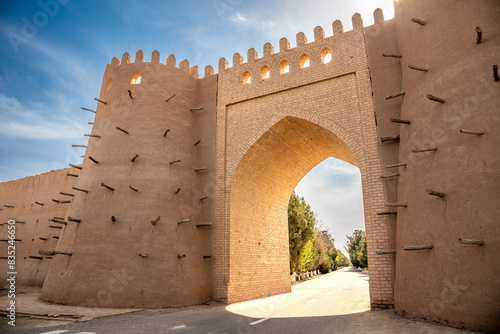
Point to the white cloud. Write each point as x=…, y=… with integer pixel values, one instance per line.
x=240, y=19
x=30, y=121
x=72, y=80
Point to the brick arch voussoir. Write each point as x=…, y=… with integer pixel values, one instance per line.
x=351, y=142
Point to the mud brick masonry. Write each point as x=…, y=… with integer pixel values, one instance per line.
x=182, y=195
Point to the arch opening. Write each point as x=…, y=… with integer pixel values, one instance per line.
x=109, y=84
x=333, y=190
x=246, y=77
x=136, y=78
x=284, y=67
x=326, y=56
x=304, y=61
x=264, y=72
x=261, y=187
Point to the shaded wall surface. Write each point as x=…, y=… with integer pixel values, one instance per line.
x=34, y=203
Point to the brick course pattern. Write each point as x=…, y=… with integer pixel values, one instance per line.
x=271, y=132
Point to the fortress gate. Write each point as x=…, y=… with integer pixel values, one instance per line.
x=272, y=131
x=182, y=194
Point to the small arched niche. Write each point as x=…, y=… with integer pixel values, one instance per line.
x=136, y=78
x=246, y=77
x=326, y=56
x=284, y=67
x=264, y=72
x=304, y=61
x=109, y=83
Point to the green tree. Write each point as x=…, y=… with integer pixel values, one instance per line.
x=341, y=260
x=307, y=256
x=356, y=248
x=311, y=245
x=301, y=222
x=325, y=251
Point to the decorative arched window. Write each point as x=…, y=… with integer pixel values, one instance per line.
x=108, y=85
x=326, y=56
x=264, y=72
x=136, y=78
x=284, y=67
x=247, y=77
x=304, y=61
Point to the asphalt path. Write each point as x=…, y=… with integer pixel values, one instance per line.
x=337, y=302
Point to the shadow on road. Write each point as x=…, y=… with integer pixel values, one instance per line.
x=258, y=316
x=216, y=319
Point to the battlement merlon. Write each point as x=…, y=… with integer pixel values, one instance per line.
x=301, y=40
x=155, y=59
x=327, y=57
x=252, y=54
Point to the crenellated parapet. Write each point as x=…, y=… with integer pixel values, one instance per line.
x=139, y=66
x=155, y=59
x=324, y=57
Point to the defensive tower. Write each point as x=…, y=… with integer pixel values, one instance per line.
x=143, y=197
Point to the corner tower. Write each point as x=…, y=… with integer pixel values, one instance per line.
x=436, y=99
x=140, y=221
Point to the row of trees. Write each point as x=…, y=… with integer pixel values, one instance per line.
x=311, y=246
x=356, y=248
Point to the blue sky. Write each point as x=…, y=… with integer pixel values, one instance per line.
x=53, y=54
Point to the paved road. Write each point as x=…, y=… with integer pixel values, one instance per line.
x=333, y=303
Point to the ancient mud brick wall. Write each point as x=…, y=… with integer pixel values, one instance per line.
x=36, y=204
x=145, y=193
x=454, y=282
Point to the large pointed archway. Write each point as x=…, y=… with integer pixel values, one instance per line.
x=270, y=133
x=255, y=243
x=261, y=187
